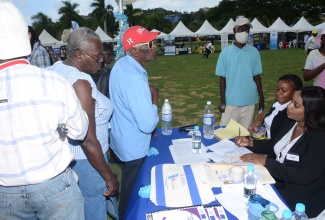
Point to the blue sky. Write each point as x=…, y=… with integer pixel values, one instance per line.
x=51, y=7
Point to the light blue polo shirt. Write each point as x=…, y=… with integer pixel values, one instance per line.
x=239, y=66
x=134, y=117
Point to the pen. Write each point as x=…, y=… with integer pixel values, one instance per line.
x=239, y=135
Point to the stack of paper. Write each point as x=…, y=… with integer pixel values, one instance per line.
x=231, y=130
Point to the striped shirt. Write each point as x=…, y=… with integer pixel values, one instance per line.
x=33, y=102
x=39, y=56
x=103, y=108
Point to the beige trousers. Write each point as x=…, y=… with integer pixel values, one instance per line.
x=243, y=115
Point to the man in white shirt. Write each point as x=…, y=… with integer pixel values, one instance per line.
x=38, y=109
x=311, y=43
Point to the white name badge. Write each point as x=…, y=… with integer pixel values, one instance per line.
x=293, y=157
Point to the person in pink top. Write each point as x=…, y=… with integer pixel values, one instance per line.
x=315, y=63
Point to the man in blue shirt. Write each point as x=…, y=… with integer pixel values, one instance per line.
x=239, y=67
x=135, y=107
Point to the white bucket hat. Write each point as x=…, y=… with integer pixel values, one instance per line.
x=14, y=39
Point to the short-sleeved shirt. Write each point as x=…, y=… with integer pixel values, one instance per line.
x=239, y=66
x=39, y=56
x=103, y=108
x=33, y=102
x=135, y=117
x=314, y=60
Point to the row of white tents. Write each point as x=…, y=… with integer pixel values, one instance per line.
x=206, y=30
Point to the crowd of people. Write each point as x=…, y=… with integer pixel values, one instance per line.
x=58, y=120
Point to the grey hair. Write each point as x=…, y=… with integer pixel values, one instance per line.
x=79, y=39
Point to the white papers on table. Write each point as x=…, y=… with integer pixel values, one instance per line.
x=180, y=186
x=224, y=151
x=232, y=198
x=182, y=154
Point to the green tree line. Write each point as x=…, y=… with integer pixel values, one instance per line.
x=266, y=11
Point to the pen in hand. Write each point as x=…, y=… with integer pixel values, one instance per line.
x=238, y=136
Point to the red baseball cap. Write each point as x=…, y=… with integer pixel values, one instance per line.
x=135, y=35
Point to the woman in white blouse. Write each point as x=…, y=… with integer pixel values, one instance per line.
x=287, y=85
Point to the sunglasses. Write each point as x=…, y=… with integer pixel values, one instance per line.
x=99, y=59
x=255, y=198
x=149, y=44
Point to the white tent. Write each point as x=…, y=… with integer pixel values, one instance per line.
x=228, y=29
x=181, y=30
x=279, y=26
x=302, y=25
x=161, y=35
x=257, y=27
x=46, y=39
x=319, y=27
x=103, y=36
x=206, y=29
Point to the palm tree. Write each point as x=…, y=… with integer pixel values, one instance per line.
x=101, y=11
x=132, y=14
x=69, y=13
x=41, y=22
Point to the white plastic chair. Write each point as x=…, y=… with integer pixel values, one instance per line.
x=280, y=45
x=289, y=44
x=294, y=43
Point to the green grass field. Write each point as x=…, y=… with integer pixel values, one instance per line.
x=188, y=81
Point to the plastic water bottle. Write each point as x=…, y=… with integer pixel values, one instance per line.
x=250, y=181
x=196, y=140
x=299, y=213
x=286, y=215
x=208, y=121
x=167, y=116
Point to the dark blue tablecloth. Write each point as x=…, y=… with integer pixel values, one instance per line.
x=138, y=207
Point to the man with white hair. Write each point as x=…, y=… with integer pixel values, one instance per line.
x=239, y=67
x=135, y=107
x=38, y=109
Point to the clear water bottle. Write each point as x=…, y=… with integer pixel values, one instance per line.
x=166, y=119
x=299, y=213
x=208, y=121
x=286, y=215
x=250, y=181
x=196, y=140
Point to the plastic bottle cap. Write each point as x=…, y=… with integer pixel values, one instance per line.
x=287, y=213
x=300, y=207
x=166, y=100
x=250, y=167
x=209, y=102
x=196, y=127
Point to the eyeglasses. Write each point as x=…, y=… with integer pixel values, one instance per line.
x=149, y=44
x=99, y=59
x=255, y=198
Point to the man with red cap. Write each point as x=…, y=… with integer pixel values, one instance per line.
x=135, y=107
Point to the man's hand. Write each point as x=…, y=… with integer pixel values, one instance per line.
x=112, y=186
x=222, y=107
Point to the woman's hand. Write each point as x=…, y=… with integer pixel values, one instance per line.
x=242, y=141
x=254, y=158
x=254, y=127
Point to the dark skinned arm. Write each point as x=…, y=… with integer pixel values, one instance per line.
x=91, y=145
x=222, y=104
x=311, y=74
x=258, y=82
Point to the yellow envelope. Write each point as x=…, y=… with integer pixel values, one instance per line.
x=231, y=131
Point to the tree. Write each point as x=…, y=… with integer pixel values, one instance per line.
x=133, y=14
x=101, y=11
x=69, y=13
x=41, y=22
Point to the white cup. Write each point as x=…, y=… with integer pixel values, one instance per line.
x=236, y=174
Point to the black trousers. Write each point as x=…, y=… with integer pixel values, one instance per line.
x=130, y=171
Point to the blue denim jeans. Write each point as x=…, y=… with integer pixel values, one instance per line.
x=92, y=186
x=57, y=198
